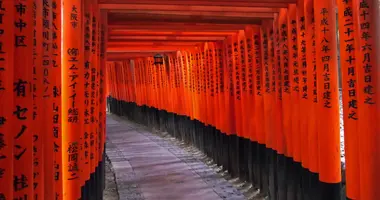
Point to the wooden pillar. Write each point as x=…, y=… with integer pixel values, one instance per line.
x=47, y=99
x=72, y=97
x=268, y=82
x=165, y=89
x=302, y=81
x=278, y=127
x=211, y=83
x=237, y=85
x=154, y=85
x=266, y=86
x=194, y=95
x=259, y=100
x=88, y=62
x=220, y=88
x=145, y=84
x=7, y=120
x=159, y=87
x=150, y=82
x=251, y=82
x=94, y=89
x=102, y=84
x=177, y=79
x=242, y=60
x=23, y=100
x=193, y=83
x=138, y=82
x=280, y=159
x=38, y=103
x=286, y=89
x=124, y=81
x=366, y=34
x=270, y=107
x=111, y=77
x=95, y=78
x=349, y=95
x=328, y=105
x=170, y=83
x=312, y=86
x=203, y=85
x=295, y=136
x=259, y=103
x=56, y=93
x=229, y=83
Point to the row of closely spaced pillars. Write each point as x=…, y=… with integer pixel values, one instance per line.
x=273, y=88
x=52, y=94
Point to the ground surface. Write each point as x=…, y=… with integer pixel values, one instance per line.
x=110, y=192
x=153, y=165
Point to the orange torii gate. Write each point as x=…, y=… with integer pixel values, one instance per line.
x=254, y=84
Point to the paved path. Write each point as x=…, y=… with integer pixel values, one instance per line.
x=150, y=167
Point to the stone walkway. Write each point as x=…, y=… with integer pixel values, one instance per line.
x=148, y=166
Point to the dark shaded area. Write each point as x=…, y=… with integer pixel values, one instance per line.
x=93, y=188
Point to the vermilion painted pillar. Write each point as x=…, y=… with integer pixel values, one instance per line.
x=56, y=94
x=286, y=89
x=266, y=85
x=38, y=132
x=202, y=82
x=94, y=83
x=88, y=62
x=170, y=85
x=366, y=34
x=303, y=98
x=194, y=82
x=313, y=99
x=145, y=83
x=47, y=99
x=23, y=99
x=302, y=83
x=270, y=107
x=279, y=139
x=250, y=82
x=229, y=85
x=349, y=72
x=221, y=86
x=269, y=82
x=254, y=35
x=6, y=109
x=280, y=159
x=295, y=136
x=151, y=91
x=218, y=86
x=312, y=86
x=237, y=85
x=211, y=83
x=328, y=104
x=259, y=100
x=102, y=95
x=242, y=59
x=72, y=97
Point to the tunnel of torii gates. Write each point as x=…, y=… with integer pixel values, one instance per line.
x=251, y=83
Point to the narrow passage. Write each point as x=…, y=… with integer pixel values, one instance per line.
x=149, y=167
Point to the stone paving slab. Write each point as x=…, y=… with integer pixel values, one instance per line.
x=149, y=167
